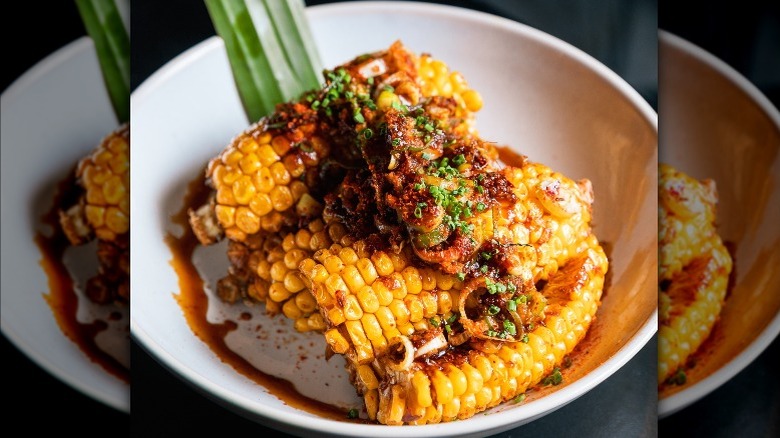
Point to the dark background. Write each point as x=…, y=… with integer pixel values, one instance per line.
x=621, y=34
x=746, y=35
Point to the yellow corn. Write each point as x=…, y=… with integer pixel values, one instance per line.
x=552, y=215
x=441, y=390
x=694, y=262
x=257, y=179
x=279, y=283
x=105, y=177
x=371, y=298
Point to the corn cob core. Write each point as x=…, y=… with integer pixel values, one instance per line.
x=694, y=262
x=105, y=177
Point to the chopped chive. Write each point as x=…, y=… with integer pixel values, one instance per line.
x=434, y=321
x=461, y=276
x=352, y=414
x=524, y=339
x=481, y=206
x=510, y=328
x=459, y=159
x=493, y=310
x=555, y=378
x=520, y=398
x=358, y=116
x=511, y=305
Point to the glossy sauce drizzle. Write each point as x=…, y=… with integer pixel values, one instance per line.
x=62, y=298
x=194, y=303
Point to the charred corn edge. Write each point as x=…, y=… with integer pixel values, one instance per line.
x=487, y=379
x=681, y=335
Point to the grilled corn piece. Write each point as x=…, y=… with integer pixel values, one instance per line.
x=104, y=209
x=369, y=298
x=430, y=380
x=694, y=269
x=263, y=180
x=552, y=215
x=103, y=212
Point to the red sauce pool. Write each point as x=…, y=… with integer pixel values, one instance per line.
x=62, y=297
x=194, y=303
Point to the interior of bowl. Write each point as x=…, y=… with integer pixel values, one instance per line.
x=542, y=97
x=717, y=126
x=52, y=116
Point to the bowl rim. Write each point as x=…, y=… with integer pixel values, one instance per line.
x=12, y=92
x=476, y=424
x=682, y=399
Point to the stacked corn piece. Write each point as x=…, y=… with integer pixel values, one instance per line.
x=368, y=299
x=373, y=303
x=552, y=215
x=260, y=180
x=694, y=262
x=279, y=283
x=103, y=212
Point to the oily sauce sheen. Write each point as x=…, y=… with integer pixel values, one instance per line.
x=194, y=303
x=62, y=298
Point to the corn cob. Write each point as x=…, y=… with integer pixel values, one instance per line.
x=103, y=212
x=456, y=384
x=694, y=267
x=259, y=179
x=368, y=299
x=279, y=283
x=263, y=180
x=552, y=215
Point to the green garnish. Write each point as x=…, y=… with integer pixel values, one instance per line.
x=461, y=276
x=493, y=310
x=520, y=398
x=524, y=339
x=112, y=45
x=434, y=321
x=511, y=305
x=510, y=328
x=270, y=48
x=352, y=414
x=678, y=378
x=358, y=116
x=418, y=209
x=555, y=378
x=459, y=159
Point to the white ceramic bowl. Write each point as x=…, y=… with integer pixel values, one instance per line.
x=52, y=116
x=717, y=125
x=544, y=97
